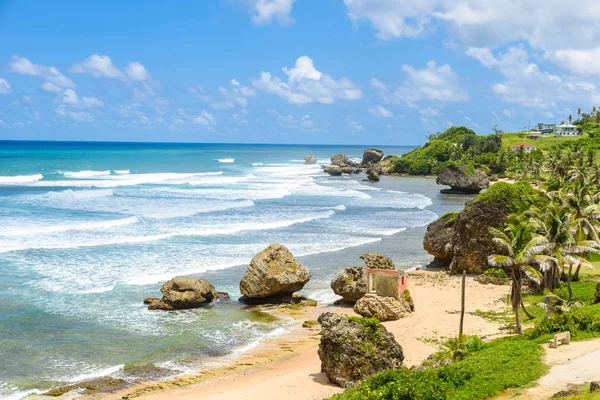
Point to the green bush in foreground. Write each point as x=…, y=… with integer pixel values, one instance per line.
x=502, y=364
x=495, y=272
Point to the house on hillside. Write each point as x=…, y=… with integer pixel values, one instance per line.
x=535, y=135
x=524, y=147
x=546, y=128
x=566, y=130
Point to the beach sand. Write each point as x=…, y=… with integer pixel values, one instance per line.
x=288, y=367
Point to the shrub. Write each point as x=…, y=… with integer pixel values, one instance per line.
x=574, y=322
x=496, y=273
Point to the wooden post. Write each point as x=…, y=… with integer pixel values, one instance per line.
x=462, y=304
x=548, y=310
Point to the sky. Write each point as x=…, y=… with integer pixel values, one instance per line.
x=292, y=71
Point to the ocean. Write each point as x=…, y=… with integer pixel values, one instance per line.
x=88, y=230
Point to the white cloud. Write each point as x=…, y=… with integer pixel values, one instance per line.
x=305, y=84
x=583, y=62
x=355, y=126
x=267, y=11
x=232, y=96
x=204, y=119
x=136, y=72
x=429, y=112
x=50, y=87
x=4, y=87
x=80, y=116
x=437, y=83
x=380, y=111
x=99, y=66
x=71, y=98
x=51, y=75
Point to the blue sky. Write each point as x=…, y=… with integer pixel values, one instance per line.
x=291, y=71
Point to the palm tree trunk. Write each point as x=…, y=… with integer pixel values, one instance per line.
x=576, y=274
x=516, y=296
x=569, y=281
x=529, y=315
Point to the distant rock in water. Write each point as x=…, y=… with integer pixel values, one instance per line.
x=339, y=159
x=346, y=169
x=373, y=175
x=353, y=348
x=272, y=276
x=309, y=160
x=333, y=170
x=181, y=293
x=464, y=179
x=371, y=156
x=381, y=308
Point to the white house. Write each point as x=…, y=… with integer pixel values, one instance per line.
x=524, y=147
x=566, y=130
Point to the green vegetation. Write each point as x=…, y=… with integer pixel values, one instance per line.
x=517, y=196
x=495, y=273
x=449, y=217
x=489, y=369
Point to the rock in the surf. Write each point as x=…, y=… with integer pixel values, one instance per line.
x=339, y=159
x=333, y=170
x=373, y=175
x=309, y=160
x=346, y=169
x=181, y=293
x=371, y=156
x=354, y=348
x=273, y=275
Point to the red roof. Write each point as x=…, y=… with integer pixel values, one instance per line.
x=523, y=145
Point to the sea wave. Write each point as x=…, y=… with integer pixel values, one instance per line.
x=34, y=230
x=71, y=195
x=257, y=164
x=85, y=174
x=122, y=171
x=226, y=160
x=20, y=179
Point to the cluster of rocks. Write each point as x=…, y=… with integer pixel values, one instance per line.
x=341, y=164
x=463, y=180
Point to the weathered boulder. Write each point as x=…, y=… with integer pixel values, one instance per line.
x=273, y=274
x=371, y=156
x=333, y=170
x=439, y=238
x=352, y=349
x=339, y=159
x=373, y=175
x=377, y=261
x=464, y=179
x=381, y=308
x=346, y=169
x=596, y=298
x=181, y=293
x=309, y=160
x=595, y=386
x=351, y=283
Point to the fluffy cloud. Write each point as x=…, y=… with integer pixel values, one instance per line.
x=267, y=11
x=4, y=86
x=437, y=83
x=305, y=84
x=99, y=66
x=51, y=75
x=232, y=96
x=579, y=61
x=355, y=126
x=305, y=122
x=380, y=111
x=71, y=98
x=79, y=116
x=527, y=85
x=429, y=112
x=204, y=119
x=136, y=72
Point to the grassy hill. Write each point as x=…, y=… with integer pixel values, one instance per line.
x=546, y=142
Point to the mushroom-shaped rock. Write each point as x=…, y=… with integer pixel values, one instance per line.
x=371, y=156
x=273, y=275
x=381, y=308
x=339, y=159
x=182, y=293
x=309, y=160
x=353, y=348
x=464, y=179
x=333, y=170
x=377, y=261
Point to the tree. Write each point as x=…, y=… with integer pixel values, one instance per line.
x=570, y=118
x=579, y=113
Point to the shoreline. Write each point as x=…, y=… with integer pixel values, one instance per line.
x=292, y=359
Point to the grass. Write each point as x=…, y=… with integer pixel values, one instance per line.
x=546, y=142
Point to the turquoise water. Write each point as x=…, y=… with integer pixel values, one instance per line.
x=88, y=230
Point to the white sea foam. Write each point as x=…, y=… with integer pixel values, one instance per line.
x=122, y=171
x=20, y=179
x=226, y=160
x=8, y=231
x=94, y=373
x=71, y=195
x=257, y=164
x=85, y=174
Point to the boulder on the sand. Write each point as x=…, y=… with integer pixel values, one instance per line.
x=596, y=298
x=464, y=179
x=273, y=275
x=182, y=293
x=371, y=156
x=351, y=283
x=439, y=238
x=373, y=175
x=309, y=160
x=339, y=159
x=353, y=348
x=333, y=170
x=377, y=261
x=381, y=307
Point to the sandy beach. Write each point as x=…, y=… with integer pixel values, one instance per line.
x=289, y=367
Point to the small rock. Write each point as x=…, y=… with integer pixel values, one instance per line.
x=373, y=175
x=309, y=160
x=346, y=169
x=182, y=293
x=595, y=386
x=333, y=170
x=339, y=159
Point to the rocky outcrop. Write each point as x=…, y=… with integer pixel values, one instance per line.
x=339, y=159
x=373, y=175
x=381, y=308
x=182, y=293
x=596, y=298
x=464, y=179
x=273, y=275
x=333, y=170
x=346, y=169
x=377, y=261
x=371, y=156
x=439, y=238
x=309, y=160
x=352, y=349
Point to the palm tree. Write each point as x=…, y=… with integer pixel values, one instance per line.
x=570, y=118
x=517, y=241
x=579, y=113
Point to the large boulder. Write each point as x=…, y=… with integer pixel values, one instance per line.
x=333, y=170
x=371, y=156
x=464, y=179
x=339, y=159
x=439, y=238
x=352, y=348
x=273, y=275
x=346, y=169
x=377, y=261
x=182, y=293
x=351, y=283
x=309, y=160
x=381, y=308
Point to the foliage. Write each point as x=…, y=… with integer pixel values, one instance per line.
x=453, y=349
x=574, y=322
x=495, y=272
x=499, y=365
x=449, y=217
x=517, y=196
